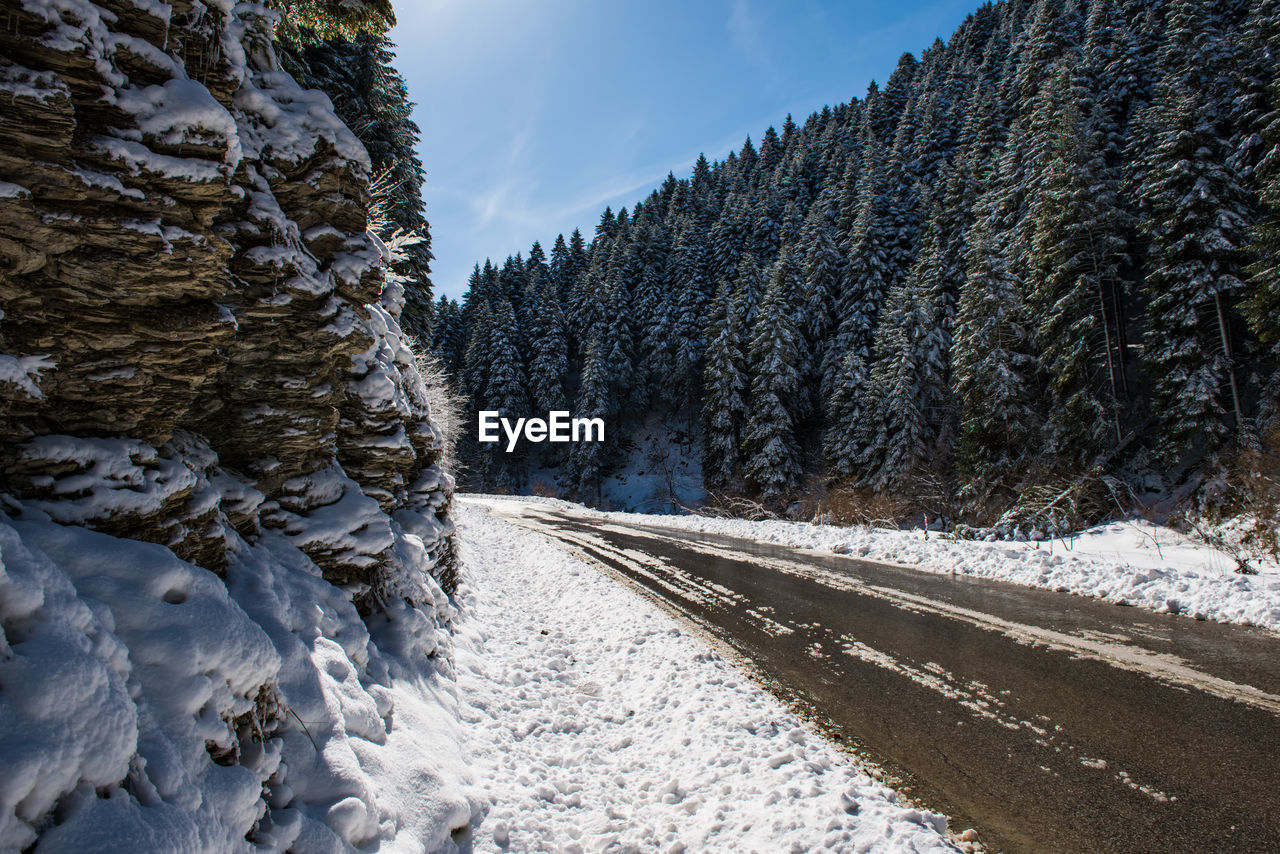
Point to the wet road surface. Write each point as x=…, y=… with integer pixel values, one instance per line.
x=1047, y=721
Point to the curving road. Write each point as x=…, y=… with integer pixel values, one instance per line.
x=1049, y=722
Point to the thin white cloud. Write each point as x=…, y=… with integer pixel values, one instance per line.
x=492, y=203
x=744, y=27
x=748, y=35
x=512, y=216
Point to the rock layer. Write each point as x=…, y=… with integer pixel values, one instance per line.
x=184, y=263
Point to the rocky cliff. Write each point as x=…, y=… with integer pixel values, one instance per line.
x=199, y=350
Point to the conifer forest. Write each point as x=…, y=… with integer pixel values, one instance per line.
x=1029, y=277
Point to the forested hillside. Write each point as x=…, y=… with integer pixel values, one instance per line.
x=1034, y=271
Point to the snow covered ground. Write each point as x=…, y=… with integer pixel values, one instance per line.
x=1132, y=562
x=143, y=704
x=595, y=722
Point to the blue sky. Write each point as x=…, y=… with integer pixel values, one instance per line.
x=535, y=114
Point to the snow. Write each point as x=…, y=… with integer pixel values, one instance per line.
x=121, y=663
x=378, y=703
x=272, y=117
x=24, y=372
x=106, y=477
x=1130, y=562
x=154, y=8
x=283, y=121
x=76, y=25
x=151, y=705
x=384, y=384
x=350, y=521
x=108, y=182
x=139, y=158
x=43, y=86
x=181, y=111
x=597, y=722
x=148, y=704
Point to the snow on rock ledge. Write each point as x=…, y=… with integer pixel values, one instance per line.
x=226, y=550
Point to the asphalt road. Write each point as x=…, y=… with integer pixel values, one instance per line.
x=1048, y=722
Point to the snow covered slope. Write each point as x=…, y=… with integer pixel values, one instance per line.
x=148, y=705
x=597, y=722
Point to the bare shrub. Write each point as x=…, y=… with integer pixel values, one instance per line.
x=445, y=406
x=856, y=505
x=1257, y=478
x=1056, y=505
x=1240, y=512
x=808, y=505
x=725, y=505
x=661, y=461
x=543, y=488
x=383, y=198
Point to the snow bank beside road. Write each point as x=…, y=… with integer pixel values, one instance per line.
x=1130, y=563
x=598, y=723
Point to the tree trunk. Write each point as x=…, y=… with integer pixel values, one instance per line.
x=1231, y=367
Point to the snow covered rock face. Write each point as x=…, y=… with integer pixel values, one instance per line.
x=225, y=542
x=183, y=246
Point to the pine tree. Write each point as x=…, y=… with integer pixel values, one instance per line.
x=1262, y=308
x=747, y=286
x=345, y=18
x=594, y=401
x=1078, y=250
x=536, y=271
x=1050, y=40
x=766, y=222
x=772, y=452
x=845, y=439
x=995, y=373
x=505, y=392
x=724, y=409
x=1253, y=79
x=870, y=269
x=849, y=191
x=617, y=347
x=770, y=151
x=1194, y=213
x=825, y=282
x=787, y=278
x=550, y=363
x=513, y=284
x=448, y=335
x=586, y=310
x=653, y=305
x=885, y=107
x=728, y=238
x=475, y=370
x=908, y=399
x=688, y=294
x=956, y=266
